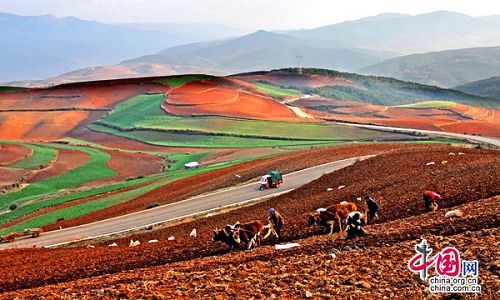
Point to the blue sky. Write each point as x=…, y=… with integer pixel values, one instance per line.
x=248, y=14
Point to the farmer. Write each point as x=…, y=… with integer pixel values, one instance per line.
x=430, y=198
x=276, y=219
x=372, y=208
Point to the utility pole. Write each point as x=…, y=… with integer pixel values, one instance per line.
x=299, y=58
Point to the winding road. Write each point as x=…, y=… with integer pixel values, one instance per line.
x=474, y=138
x=209, y=203
x=199, y=205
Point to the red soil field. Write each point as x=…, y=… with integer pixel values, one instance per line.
x=66, y=160
x=395, y=178
x=374, y=266
x=457, y=118
x=11, y=153
x=239, y=153
x=49, y=114
x=225, y=177
x=81, y=96
x=220, y=97
x=112, y=141
x=129, y=165
x=8, y=176
x=39, y=126
x=287, y=79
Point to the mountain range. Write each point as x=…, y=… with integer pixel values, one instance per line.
x=100, y=51
x=35, y=47
x=489, y=87
x=444, y=68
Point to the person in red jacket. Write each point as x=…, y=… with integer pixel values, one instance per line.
x=430, y=198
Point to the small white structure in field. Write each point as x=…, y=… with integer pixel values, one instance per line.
x=430, y=163
x=329, y=189
x=454, y=213
x=134, y=243
x=191, y=165
x=171, y=238
x=341, y=187
x=193, y=233
x=113, y=245
x=152, y=241
x=286, y=246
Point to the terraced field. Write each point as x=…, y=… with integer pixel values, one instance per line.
x=276, y=91
x=95, y=168
x=40, y=157
x=142, y=118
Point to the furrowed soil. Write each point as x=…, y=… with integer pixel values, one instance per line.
x=224, y=97
x=456, y=118
x=226, y=177
x=12, y=153
x=374, y=266
x=66, y=160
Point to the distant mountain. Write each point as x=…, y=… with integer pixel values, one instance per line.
x=445, y=68
x=34, y=47
x=262, y=50
x=191, y=32
x=257, y=51
x=407, y=34
x=487, y=87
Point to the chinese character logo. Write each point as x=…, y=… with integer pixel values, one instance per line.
x=470, y=268
x=446, y=262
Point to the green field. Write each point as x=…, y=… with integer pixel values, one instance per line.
x=105, y=202
x=53, y=200
x=40, y=157
x=94, y=169
x=169, y=139
x=141, y=118
x=176, y=81
x=275, y=91
x=429, y=105
x=5, y=89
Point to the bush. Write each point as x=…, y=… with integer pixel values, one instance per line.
x=13, y=206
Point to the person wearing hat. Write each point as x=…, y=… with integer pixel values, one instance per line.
x=372, y=206
x=276, y=219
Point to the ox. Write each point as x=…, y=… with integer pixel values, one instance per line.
x=227, y=235
x=335, y=214
x=249, y=233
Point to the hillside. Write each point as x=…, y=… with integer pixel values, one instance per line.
x=445, y=68
x=373, y=89
x=486, y=88
x=354, y=98
x=405, y=34
x=64, y=44
x=324, y=266
x=262, y=50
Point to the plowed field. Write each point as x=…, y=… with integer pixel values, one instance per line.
x=396, y=179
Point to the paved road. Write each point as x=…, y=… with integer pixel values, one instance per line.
x=481, y=139
x=169, y=212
